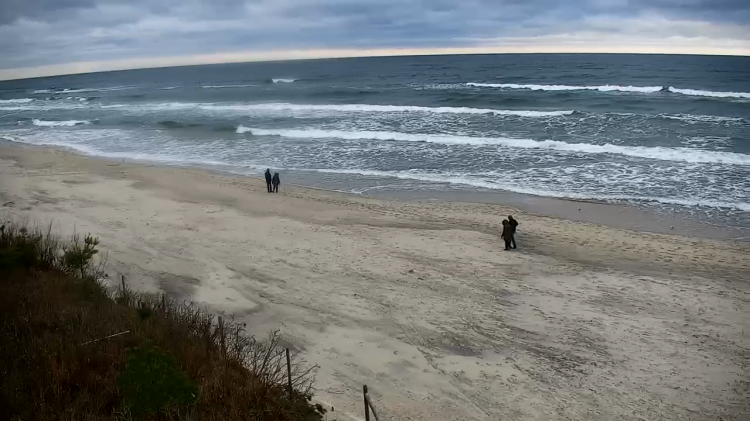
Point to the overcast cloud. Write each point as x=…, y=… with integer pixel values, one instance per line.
x=40, y=37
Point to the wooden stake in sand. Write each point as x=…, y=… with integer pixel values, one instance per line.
x=368, y=405
x=289, y=373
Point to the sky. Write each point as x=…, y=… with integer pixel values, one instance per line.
x=50, y=37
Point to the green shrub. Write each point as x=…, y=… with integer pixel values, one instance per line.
x=152, y=383
x=18, y=248
x=78, y=257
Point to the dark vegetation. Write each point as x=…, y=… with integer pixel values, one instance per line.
x=64, y=356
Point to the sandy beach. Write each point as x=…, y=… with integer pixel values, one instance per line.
x=419, y=301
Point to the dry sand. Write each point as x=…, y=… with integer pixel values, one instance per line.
x=420, y=302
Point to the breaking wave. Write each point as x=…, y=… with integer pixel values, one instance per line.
x=658, y=153
x=693, y=118
x=225, y=86
x=697, y=92
x=601, y=88
x=65, y=123
x=492, y=183
x=16, y=101
x=367, y=108
x=613, y=88
x=283, y=80
x=72, y=91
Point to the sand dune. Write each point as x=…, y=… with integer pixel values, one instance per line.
x=584, y=322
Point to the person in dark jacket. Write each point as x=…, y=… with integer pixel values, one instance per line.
x=276, y=181
x=513, y=224
x=507, y=234
x=268, y=179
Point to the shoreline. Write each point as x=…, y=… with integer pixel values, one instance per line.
x=615, y=215
x=418, y=300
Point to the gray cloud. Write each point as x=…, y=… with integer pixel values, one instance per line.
x=51, y=32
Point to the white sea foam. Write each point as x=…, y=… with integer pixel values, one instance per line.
x=73, y=104
x=660, y=153
x=81, y=141
x=366, y=108
x=695, y=118
x=283, y=80
x=697, y=92
x=72, y=91
x=438, y=86
x=65, y=123
x=491, y=183
x=16, y=101
x=611, y=88
x=169, y=88
x=601, y=88
x=225, y=86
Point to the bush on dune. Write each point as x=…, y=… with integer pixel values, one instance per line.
x=73, y=350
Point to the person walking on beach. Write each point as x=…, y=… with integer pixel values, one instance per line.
x=513, y=224
x=276, y=181
x=507, y=234
x=268, y=179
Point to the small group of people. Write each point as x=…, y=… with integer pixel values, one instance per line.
x=272, y=182
x=509, y=232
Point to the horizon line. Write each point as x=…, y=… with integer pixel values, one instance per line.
x=82, y=68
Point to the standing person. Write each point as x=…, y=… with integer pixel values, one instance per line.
x=507, y=234
x=513, y=224
x=268, y=179
x=276, y=181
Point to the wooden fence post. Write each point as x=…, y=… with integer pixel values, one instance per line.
x=289, y=373
x=367, y=404
x=221, y=337
x=209, y=339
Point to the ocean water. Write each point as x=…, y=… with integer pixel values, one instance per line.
x=670, y=133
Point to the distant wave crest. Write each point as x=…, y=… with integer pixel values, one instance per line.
x=16, y=101
x=697, y=92
x=369, y=108
x=78, y=90
x=659, y=153
x=601, y=88
x=280, y=80
x=612, y=88
x=64, y=123
x=226, y=86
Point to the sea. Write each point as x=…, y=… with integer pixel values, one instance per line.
x=668, y=133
